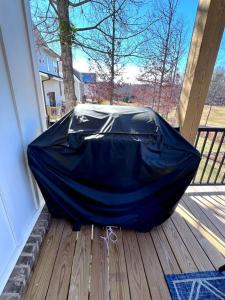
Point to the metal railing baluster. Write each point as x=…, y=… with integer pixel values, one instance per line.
x=216, y=162
x=208, y=156
x=215, y=158
x=220, y=167
x=202, y=151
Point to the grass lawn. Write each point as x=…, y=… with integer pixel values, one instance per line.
x=216, y=117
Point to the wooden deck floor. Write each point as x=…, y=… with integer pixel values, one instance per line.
x=76, y=266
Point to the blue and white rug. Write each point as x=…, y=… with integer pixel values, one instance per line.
x=197, y=286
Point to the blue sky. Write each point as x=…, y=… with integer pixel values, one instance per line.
x=187, y=10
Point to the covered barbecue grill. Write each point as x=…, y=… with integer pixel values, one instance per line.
x=112, y=165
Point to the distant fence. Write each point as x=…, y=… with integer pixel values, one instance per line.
x=210, y=142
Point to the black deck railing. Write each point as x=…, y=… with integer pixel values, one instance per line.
x=210, y=141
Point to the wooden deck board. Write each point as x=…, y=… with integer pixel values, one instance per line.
x=195, y=209
x=215, y=204
x=77, y=266
x=219, y=224
x=154, y=273
x=41, y=277
x=201, y=259
x=58, y=288
x=210, y=246
x=79, y=282
x=136, y=274
x=220, y=199
x=165, y=253
x=179, y=249
x=118, y=279
x=99, y=267
x=208, y=227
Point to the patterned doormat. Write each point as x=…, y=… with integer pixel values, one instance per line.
x=197, y=286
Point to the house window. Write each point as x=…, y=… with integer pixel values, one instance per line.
x=55, y=66
x=51, y=97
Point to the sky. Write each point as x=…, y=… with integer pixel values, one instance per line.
x=187, y=10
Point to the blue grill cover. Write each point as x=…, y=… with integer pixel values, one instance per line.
x=112, y=165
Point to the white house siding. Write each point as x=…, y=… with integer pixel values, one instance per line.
x=47, y=61
x=21, y=120
x=53, y=85
x=79, y=89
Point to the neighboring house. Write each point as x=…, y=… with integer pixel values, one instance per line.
x=49, y=66
x=22, y=119
x=51, y=75
x=85, y=80
x=79, y=86
x=81, y=81
x=51, y=81
x=51, y=78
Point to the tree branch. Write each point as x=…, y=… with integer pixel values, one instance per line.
x=102, y=20
x=52, y=3
x=79, y=3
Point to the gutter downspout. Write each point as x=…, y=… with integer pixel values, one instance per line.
x=43, y=90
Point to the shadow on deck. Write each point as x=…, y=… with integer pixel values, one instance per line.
x=76, y=265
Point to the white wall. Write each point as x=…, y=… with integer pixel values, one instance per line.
x=22, y=118
x=47, y=62
x=52, y=85
x=79, y=90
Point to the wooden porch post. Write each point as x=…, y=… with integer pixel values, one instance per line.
x=206, y=38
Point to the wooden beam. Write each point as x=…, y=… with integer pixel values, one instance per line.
x=206, y=38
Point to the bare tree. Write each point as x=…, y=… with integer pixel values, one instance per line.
x=163, y=51
x=216, y=94
x=56, y=21
x=116, y=42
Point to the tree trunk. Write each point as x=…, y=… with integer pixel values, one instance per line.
x=154, y=94
x=112, y=79
x=65, y=32
x=165, y=54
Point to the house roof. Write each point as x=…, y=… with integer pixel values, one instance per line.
x=40, y=43
x=50, y=75
x=85, y=77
